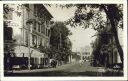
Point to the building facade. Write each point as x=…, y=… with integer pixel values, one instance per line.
x=86, y=53
x=30, y=24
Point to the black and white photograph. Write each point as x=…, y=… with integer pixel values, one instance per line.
x=70, y=40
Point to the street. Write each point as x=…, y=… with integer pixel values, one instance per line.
x=39, y=41
x=73, y=69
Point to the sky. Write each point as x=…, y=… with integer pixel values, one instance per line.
x=80, y=37
x=61, y=14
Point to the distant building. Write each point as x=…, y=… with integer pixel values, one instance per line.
x=83, y=54
x=30, y=26
x=86, y=53
x=75, y=57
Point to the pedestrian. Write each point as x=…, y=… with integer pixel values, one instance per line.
x=55, y=63
x=81, y=62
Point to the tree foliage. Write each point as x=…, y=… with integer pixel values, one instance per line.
x=94, y=15
x=98, y=16
x=59, y=40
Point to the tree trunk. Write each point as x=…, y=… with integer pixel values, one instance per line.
x=115, y=33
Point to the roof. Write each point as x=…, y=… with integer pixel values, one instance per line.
x=42, y=7
x=48, y=12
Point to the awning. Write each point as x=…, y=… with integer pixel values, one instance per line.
x=22, y=50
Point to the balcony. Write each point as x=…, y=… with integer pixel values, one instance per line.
x=39, y=33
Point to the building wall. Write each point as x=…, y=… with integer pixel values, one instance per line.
x=86, y=52
x=38, y=32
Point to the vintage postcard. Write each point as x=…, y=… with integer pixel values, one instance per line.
x=61, y=40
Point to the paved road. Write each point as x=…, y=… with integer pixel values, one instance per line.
x=73, y=69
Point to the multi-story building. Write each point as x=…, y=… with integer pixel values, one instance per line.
x=86, y=53
x=30, y=24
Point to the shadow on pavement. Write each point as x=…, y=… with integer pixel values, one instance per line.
x=63, y=73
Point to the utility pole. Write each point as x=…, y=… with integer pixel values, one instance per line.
x=29, y=57
x=60, y=40
x=60, y=48
x=29, y=24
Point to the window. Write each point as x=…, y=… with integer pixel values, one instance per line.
x=47, y=23
x=34, y=40
x=49, y=33
x=43, y=42
x=35, y=10
x=26, y=38
x=34, y=27
x=39, y=26
x=46, y=32
x=40, y=41
x=43, y=28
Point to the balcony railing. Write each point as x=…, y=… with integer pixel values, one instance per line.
x=39, y=33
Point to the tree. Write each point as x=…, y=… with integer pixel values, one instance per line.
x=9, y=46
x=113, y=14
x=94, y=18
x=59, y=40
